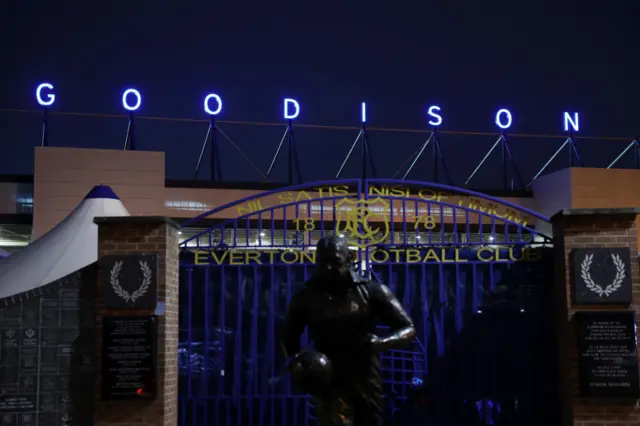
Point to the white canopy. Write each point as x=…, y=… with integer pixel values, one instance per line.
x=69, y=246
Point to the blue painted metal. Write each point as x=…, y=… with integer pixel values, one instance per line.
x=456, y=190
x=298, y=187
x=231, y=313
x=236, y=223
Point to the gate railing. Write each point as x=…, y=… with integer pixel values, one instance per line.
x=449, y=263
x=406, y=222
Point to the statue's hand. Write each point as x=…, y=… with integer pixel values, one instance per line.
x=372, y=340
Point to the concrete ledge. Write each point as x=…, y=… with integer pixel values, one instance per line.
x=136, y=220
x=628, y=211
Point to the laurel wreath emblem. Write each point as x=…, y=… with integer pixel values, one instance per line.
x=114, y=280
x=585, y=273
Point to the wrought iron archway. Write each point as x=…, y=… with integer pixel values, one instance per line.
x=454, y=257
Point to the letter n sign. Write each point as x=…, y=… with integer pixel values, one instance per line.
x=601, y=276
x=130, y=281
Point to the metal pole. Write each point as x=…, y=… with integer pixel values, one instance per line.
x=290, y=153
x=435, y=151
x=436, y=143
x=363, y=154
x=514, y=165
x=126, y=138
x=215, y=171
x=132, y=132
x=241, y=152
x=204, y=146
x=632, y=144
x=365, y=141
x=505, y=170
x=549, y=162
x=344, y=163
x=129, y=140
x=570, y=150
x=574, y=147
x=483, y=160
x=275, y=157
x=415, y=159
x=45, y=127
x=296, y=161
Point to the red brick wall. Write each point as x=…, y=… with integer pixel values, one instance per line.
x=584, y=231
x=152, y=235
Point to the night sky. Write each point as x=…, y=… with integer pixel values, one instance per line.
x=537, y=59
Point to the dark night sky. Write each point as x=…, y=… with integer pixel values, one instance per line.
x=469, y=57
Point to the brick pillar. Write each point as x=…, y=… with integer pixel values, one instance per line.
x=149, y=235
x=590, y=228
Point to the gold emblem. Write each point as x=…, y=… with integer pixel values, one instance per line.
x=356, y=224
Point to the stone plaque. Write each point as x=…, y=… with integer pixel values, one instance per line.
x=17, y=403
x=602, y=276
x=42, y=346
x=129, y=357
x=130, y=281
x=608, y=357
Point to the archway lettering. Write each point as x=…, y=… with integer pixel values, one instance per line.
x=238, y=257
x=313, y=198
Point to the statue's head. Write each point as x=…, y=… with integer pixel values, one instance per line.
x=333, y=257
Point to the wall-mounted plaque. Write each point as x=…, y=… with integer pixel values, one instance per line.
x=608, y=356
x=46, y=356
x=601, y=276
x=129, y=354
x=130, y=281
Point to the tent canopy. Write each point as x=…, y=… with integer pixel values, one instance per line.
x=69, y=246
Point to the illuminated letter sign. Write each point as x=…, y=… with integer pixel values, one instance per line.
x=126, y=104
x=288, y=115
x=218, y=107
x=573, y=121
x=432, y=112
x=508, y=119
x=50, y=97
x=363, y=112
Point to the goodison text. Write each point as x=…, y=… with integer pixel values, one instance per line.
x=212, y=105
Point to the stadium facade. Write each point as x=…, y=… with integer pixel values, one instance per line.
x=490, y=280
x=32, y=205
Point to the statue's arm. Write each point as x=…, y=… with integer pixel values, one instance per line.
x=387, y=307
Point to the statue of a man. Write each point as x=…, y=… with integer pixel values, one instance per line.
x=341, y=311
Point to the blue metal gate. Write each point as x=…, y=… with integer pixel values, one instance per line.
x=471, y=270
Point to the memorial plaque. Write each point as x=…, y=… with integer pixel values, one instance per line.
x=602, y=276
x=17, y=403
x=42, y=342
x=130, y=281
x=608, y=356
x=129, y=357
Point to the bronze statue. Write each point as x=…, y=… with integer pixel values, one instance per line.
x=341, y=310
